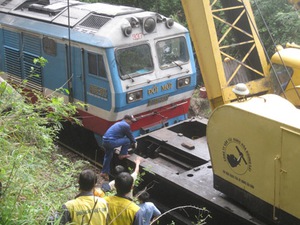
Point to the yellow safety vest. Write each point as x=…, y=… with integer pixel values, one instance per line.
x=81, y=209
x=98, y=192
x=121, y=211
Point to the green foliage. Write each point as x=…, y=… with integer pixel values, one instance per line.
x=278, y=21
x=36, y=182
x=170, y=8
x=200, y=218
x=35, y=179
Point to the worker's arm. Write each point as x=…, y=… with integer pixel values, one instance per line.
x=137, y=161
x=66, y=216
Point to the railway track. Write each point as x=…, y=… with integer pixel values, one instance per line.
x=73, y=154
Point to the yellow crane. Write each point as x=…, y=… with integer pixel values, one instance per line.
x=254, y=140
x=230, y=51
x=296, y=3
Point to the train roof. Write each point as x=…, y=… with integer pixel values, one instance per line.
x=110, y=25
x=63, y=12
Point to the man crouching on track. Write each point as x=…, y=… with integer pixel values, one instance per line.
x=85, y=208
x=119, y=134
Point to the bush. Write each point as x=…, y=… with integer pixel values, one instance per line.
x=35, y=179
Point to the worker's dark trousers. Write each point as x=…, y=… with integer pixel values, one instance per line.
x=109, y=146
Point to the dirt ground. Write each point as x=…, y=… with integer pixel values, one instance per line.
x=199, y=105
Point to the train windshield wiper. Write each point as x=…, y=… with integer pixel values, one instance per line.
x=130, y=77
x=177, y=64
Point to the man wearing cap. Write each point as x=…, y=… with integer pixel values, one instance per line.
x=118, y=135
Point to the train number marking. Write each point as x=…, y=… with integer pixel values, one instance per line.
x=137, y=36
x=152, y=90
x=166, y=87
x=98, y=91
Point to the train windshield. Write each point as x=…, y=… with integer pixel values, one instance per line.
x=134, y=61
x=172, y=52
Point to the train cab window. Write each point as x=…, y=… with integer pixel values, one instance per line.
x=96, y=65
x=172, y=52
x=134, y=61
x=280, y=77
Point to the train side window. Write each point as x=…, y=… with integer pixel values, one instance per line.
x=96, y=65
x=134, y=61
x=172, y=52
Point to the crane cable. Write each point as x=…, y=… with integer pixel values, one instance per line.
x=70, y=75
x=273, y=41
x=69, y=56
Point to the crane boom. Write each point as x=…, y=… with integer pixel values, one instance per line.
x=228, y=47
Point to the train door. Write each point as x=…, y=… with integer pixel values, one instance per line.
x=289, y=194
x=96, y=81
x=90, y=84
x=79, y=75
x=97, y=95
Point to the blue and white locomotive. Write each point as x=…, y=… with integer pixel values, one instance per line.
x=115, y=59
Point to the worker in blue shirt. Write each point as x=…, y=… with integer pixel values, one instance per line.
x=149, y=211
x=118, y=135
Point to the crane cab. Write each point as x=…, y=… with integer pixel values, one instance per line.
x=285, y=73
x=254, y=148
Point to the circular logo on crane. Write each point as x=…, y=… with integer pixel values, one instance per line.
x=237, y=156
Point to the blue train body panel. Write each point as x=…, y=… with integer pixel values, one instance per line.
x=117, y=60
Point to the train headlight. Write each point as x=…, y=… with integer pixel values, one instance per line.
x=149, y=24
x=134, y=96
x=183, y=82
x=169, y=23
x=127, y=30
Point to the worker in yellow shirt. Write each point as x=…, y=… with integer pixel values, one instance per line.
x=122, y=210
x=86, y=208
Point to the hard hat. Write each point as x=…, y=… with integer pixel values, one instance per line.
x=241, y=89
